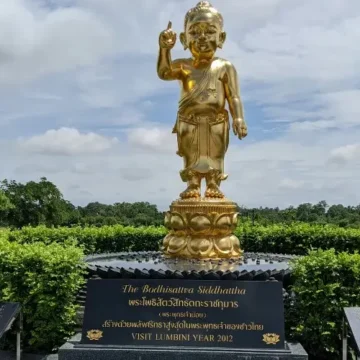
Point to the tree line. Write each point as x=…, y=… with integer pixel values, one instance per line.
x=320, y=213
x=42, y=203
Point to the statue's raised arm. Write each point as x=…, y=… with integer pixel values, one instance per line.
x=167, y=40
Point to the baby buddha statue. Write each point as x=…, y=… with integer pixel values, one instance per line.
x=201, y=227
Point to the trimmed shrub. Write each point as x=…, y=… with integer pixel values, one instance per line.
x=324, y=283
x=297, y=238
x=45, y=279
x=115, y=238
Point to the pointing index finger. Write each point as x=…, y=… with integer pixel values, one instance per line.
x=169, y=25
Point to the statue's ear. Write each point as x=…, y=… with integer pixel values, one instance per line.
x=222, y=38
x=183, y=40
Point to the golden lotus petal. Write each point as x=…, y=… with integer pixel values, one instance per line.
x=167, y=220
x=223, y=245
x=200, y=246
x=167, y=240
x=235, y=219
x=176, y=244
x=200, y=223
x=177, y=222
x=223, y=224
x=235, y=245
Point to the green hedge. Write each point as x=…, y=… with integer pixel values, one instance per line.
x=324, y=283
x=114, y=238
x=296, y=238
x=45, y=280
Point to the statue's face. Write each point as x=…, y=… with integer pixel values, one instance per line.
x=204, y=36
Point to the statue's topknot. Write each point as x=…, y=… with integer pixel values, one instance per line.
x=203, y=7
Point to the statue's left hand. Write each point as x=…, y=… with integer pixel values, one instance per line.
x=240, y=128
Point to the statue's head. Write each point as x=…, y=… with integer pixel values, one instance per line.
x=203, y=30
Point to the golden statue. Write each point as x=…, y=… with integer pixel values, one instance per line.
x=202, y=227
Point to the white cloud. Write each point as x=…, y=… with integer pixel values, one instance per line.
x=153, y=139
x=266, y=173
x=291, y=184
x=54, y=41
x=66, y=141
x=92, y=65
x=312, y=125
x=345, y=154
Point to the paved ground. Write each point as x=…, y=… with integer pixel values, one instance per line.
x=6, y=355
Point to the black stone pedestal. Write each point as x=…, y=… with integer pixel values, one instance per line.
x=72, y=350
x=262, y=277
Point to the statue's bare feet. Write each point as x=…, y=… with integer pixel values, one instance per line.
x=213, y=191
x=193, y=191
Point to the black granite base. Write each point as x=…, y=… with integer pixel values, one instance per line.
x=154, y=265
x=72, y=350
x=10, y=355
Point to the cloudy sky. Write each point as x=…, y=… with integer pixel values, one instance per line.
x=81, y=104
